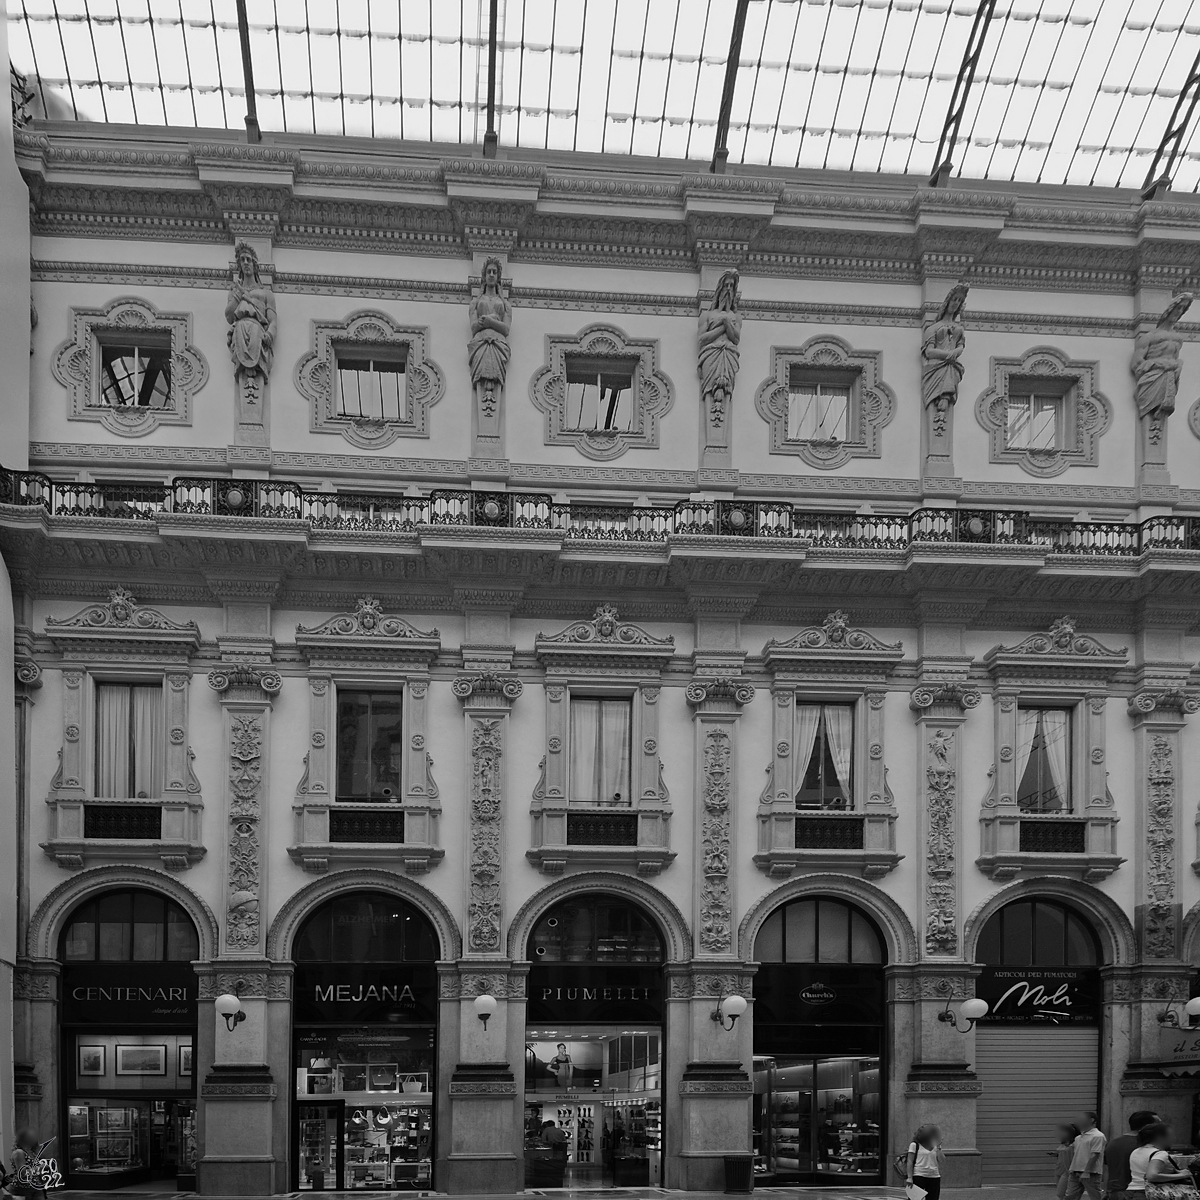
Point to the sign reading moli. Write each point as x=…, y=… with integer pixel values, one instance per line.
x=787, y=994
x=129, y=994
x=587, y=993
x=1053, y=995
x=365, y=992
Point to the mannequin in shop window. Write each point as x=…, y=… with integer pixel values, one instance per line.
x=563, y=1068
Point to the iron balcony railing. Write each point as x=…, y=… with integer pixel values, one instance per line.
x=776, y=520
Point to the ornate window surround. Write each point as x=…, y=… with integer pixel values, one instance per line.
x=829, y=663
x=653, y=394
x=367, y=649
x=872, y=402
x=1087, y=419
x=366, y=329
x=76, y=365
x=602, y=656
x=1070, y=670
x=122, y=641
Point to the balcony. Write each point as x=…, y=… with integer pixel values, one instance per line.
x=567, y=833
x=864, y=842
x=119, y=830
x=387, y=833
x=602, y=829
x=1015, y=842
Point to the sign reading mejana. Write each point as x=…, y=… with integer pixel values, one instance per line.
x=349, y=992
x=1050, y=995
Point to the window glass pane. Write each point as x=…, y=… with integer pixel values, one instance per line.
x=833, y=410
x=79, y=942
x=600, y=737
x=1018, y=423
x=864, y=941
x=390, y=383
x=182, y=943
x=583, y=404
x=114, y=758
x=834, y=939
x=1049, y=935
x=587, y=929
x=1043, y=425
x=354, y=378
x=353, y=745
x=155, y=389
x=365, y=927
x=116, y=927
x=988, y=948
x=800, y=932
x=802, y=413
x=386, y=748
x=148, y=927
x=768, y=946
x=148, y=736
x=135, y=376
x=314, y=942
x=1016, y=949
x=1081, y=945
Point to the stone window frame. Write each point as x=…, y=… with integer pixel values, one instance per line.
x=371, y=651
x=825, y=357
x=364, y=330
x=1058, y=668
x=653, y=393
x=603, y=656
x=1087, y=418
x=829, y=663
x=122, y=641
x=76, y=365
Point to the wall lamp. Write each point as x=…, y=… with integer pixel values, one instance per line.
x=731, y=1007
x=1170, y=1017
x=230, y=1007
x=485, y=1006
x=970, y=1011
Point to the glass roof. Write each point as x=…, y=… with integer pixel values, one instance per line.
x=1066, y=91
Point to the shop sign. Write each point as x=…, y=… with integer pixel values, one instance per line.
x=398, y=993
x=588, y=993
x=1051, y=995
x=1180, y=1046
x=807, y=994
x=817, y=993
x=129, y=994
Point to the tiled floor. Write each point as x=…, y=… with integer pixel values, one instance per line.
x=1022, y=1192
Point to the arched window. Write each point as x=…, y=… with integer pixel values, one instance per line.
x=818, y=931
x=1038, y=933
x=132, y=926
x=595, y=929
x=364, y=927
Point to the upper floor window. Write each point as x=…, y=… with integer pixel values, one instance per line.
x=1036, y=416
x=133, y=926
x=595, y=929
x=1043, y=760
x=825, y=755
x=599, y=393
x=370, y=746
x=131, y=741
x=601, y=738
x=1038, y=933
x=818, y=409
x=818, y=931
x=366, y=927
x=137, y=375
x=371, y=388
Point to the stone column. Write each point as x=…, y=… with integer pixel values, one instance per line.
x=941, y=1087
x=482, y=1150
x=237, y=1096
x=37, y=1101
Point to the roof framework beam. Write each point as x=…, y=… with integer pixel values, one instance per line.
x=1158, y=177
x=253, y=133
x=490, y=138
x=944, y=160
x=720, y=147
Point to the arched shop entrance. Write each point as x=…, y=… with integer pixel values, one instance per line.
x=1037, y=1052
x=364, y=1050
x=594, y=1046
x=819, y=1099
x=128, y=1029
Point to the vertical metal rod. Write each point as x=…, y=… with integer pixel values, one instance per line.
x=720, y=149
x=489, y=137
x=253, y=133
x=1160, y=181
x=943, y=161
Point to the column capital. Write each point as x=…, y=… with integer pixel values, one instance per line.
x=720, y=694
x=242, y=683
x=487, y=691
x=1166, y=702
x=940, y=700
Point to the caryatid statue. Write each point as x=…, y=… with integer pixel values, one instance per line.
x=1156, y=363
x=488, y=350
x=250, y=311
x=941, y=370
x=720, y=333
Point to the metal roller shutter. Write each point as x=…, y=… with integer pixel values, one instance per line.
x=1034, y=1077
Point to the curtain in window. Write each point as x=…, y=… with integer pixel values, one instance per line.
x=839, y=733
x=600, y=750
x=1027, y=720
x=149, y=742
x=808, y=721
x=1054, y=738
x=112, y=741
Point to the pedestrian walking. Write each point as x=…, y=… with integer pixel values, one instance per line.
x=1154, y=1172
x=924, y=1165
x=1087, y=1160
x=26, y=1181
x=1117, y=1154
x=1062, y=1157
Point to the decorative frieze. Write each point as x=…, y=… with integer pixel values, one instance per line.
x=941, y=917
x=1160, y=933
x=716, y=904
x=483, y=908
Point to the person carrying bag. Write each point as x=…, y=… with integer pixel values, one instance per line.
x=1157, y=1173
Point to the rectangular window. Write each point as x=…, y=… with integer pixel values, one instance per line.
x=131, y=741
x=136, y=376
x=601, y=734
x=825, y=755
x=1034, y=421
x=1043, y=759
x=599, y=393
x=371, y=388
x=369, y=746
x=817, y=411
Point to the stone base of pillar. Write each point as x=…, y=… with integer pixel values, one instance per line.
x=715, y=1121
x=483, y=1114
x=238, y=1101
x=944, y=1094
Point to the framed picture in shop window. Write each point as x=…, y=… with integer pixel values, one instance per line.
x=114, y=1149
x=93, y=1060
x=77, y=1120
x=185, y=1061
x=114, y=1120
x=142, y=1060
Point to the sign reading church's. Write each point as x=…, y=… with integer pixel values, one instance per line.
x=353, y=992
x=129, y=994
x=583, y=992
x=1049, y=995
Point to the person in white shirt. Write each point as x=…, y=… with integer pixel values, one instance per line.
x=925, y=1161
x=1087, y=1162
x=1151, y=1164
